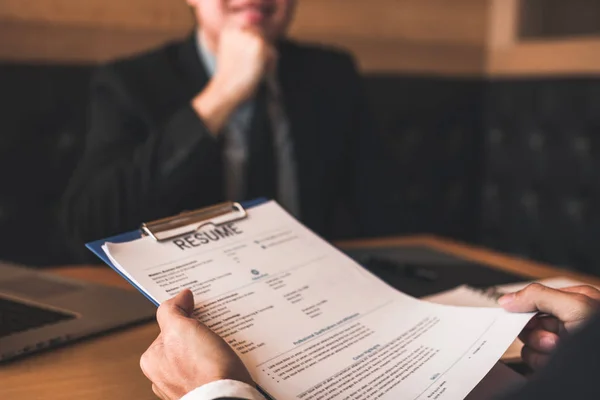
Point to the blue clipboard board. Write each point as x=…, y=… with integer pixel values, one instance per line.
x=96, y=246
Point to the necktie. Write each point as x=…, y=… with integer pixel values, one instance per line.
x=262, y=161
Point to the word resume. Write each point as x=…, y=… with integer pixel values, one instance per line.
x=310, y=323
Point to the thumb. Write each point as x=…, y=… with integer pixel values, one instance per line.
x=180, y=306
x=535, y=297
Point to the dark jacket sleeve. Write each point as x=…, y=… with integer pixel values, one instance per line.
x=571, y=374
x=134, y=168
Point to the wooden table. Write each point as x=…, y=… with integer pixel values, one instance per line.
x=107, y=367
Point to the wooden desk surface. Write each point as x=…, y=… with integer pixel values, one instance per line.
x=107, y=367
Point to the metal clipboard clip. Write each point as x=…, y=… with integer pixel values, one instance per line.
x=192, y=221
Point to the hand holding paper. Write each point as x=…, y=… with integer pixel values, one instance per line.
x=186, y=354
x=565, y=311
x=309, y=323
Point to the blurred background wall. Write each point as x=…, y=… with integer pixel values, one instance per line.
x=386, y=35
x=491, y=108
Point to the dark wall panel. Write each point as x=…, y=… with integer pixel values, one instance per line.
x=511, y=164
x=541, y=194
x=433, y=127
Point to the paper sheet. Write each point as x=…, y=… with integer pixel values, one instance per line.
x=310, y=323
x=466, y=296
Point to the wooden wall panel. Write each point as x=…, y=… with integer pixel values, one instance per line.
x=129, y=14
x=420, y=36
x=551, y=19
x=58, y=44
x=511, y=53
x=59, y=31
x=438, y=21
x=441, y=37
x=425, y=36
x=542, y=58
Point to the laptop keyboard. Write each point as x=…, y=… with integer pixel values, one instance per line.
x=18, y=317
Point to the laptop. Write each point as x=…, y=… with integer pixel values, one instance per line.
x=40, y=311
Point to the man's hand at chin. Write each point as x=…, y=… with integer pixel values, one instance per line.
x=186, y=354
x=244, y=58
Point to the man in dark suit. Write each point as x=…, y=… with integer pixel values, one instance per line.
x=233, y=112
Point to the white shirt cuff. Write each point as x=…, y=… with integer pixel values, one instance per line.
x=224, y=388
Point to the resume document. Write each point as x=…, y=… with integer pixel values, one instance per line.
x=310, y=323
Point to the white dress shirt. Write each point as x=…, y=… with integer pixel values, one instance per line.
x=226, y=388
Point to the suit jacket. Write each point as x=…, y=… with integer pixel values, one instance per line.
x=149, y=155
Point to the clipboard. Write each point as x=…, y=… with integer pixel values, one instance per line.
x=168, y=228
